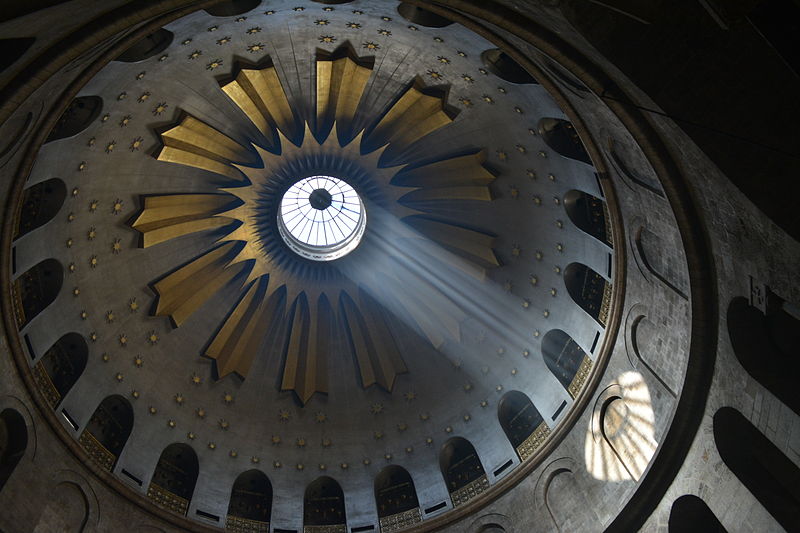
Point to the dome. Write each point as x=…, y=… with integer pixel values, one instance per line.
x=353, y=266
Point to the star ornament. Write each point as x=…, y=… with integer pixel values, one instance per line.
x=274, y=283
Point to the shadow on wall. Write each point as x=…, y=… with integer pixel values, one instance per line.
x=620, y=441
x=690, y=514
x=13, y=442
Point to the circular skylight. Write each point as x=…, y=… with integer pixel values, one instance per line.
x=322, y=218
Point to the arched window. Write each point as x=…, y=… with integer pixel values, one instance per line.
x=250, y=507
x=523, y=424
x=12, y=50
x=501, y=65
x=36, y=289
x=566, y=360
x=232, y=8
x=323, y=504
x=174, y=478
x=147, y=47
x=108, y=430
x=590, y=214
x=763, y=344
x=560, y=136
x=40, y=203
x=767, y=473
x=462, y=470
x=81, y=112
x=13, y=441
x=690, y=514
x=60, y=367
x=589, y=290
x=422, y=17
x=396, y=498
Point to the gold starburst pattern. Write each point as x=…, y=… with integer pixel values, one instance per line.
x=252, y=257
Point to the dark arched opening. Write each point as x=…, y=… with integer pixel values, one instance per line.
x=560, y=136
x=766, y=472
x=40, y=204
x=522, y=423
x=396, y=498
x=462, y=470
x=147, y=47
x=590, y=290
x=11, y=50
x=501, y=65
x=232, y=8
x=590, y=214
x=60, y=367
x=36, y=289
x=422, y=17
x=566, y=360
x=766, y=346
x=13, y=441
x=323, y=504
x=81, y=112
x=690, y=514
x=174, y=478
x=108, y=430
x=250, y=507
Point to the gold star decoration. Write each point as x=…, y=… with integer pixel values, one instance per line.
x=386, y=19
x=91, y=141
x=92, y=233
x=116, y=246
x=116, y=208
x=488, y=99
x=253, y=30
x=143, y=97
x=369, y=45
x=327, y=39
x=383, y=32
x=443, y=60
x=93, y=206
x=516, y=250
x=326, y=443
x=93, y=261
x=119, y=377
x=462, y=54
x=201, y=413
x=196, y=379
x=300, y=442
x=186, y=41
x=179, y=399
x=195, y=54
x=136, y=144
x=353, y=25
x=105, y=357
x=138, y=361
x=376, y=408
x=276, y=439
x=466, y=102
x=160, y=108
x=467, y=78
x=152, y=410
x=224, y=424
x=71, y=267
x=224, y=40
x=76, y=291
x=320, y=417
x=214, y=64
x=424, y=417
x=284, y=415
x=110, y=316
x=125, y=121
x=133, y=305
x=152, y=337
x=140, y=75
x=135, y=393
x=227, y=398
x=257, y=47
x=321, y=22
x=110, y=147
x=436, y=75
x=121, y=96
x=123, y=340
x=410, y=396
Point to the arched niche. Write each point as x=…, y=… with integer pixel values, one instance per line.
x=658, y=259
x=590, y=290
x=250, y=507
x=562, y=494
x=147, y=47
x=504, y=67
x=422, y=17
x=81, y=112
x=40, y=204
x=523, y=424
x=590, y=214
x=108, y=430
x=768, y=474
x=36, y=289
x=60, y=367
x=172, y=484
x=13, y=442
x=323, y=504
x=66, y=509
x=462, y=470
x=561, y=137
x=690, y=514
x=618, y=427
x=763, y=345
x=11, y=50
x=566, y=360
x=13, y=10
x=649, y=343
x=232, y=8
x=396, y=499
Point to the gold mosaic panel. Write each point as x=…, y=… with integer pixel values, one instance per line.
x=244, y=525
x=45, y=385
x=609, y=234
x=338, y=528
x=580, y=376
x=399, y=521
x=465, y=494
x=534, y=441
x=605, y=305
x=97, y=451
x=164, y=498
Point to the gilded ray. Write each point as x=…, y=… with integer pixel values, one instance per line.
x=170, y=216
x=463, y=171
x=341, y=79
x=468, y=243
x=415, y=115
x=196, y=144
x=184, y=291
x=236, y=344
x=260, y=94
x=305, y=364
x=371, y=341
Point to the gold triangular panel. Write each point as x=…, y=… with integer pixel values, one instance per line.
x=305, y=364
x=341, y=80
x=170, y=216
